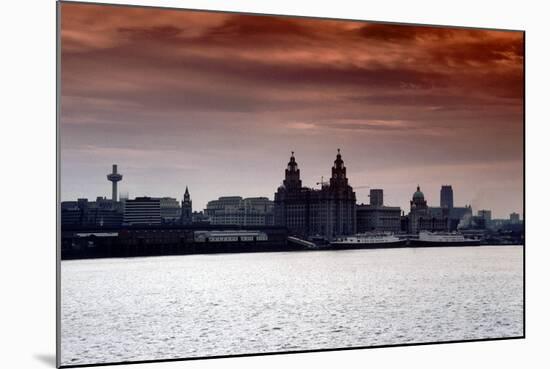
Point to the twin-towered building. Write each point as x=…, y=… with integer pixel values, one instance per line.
x=331, y=211
x=327, y=212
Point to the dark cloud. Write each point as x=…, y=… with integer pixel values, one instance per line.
x=199, y=89
x=399, y=33
x=155, y=33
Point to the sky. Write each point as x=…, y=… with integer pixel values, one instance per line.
x=217, y=102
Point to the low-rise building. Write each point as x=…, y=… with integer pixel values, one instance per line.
x=375, y=217
x=103, y=212
x=234, y=210
x=170, y=210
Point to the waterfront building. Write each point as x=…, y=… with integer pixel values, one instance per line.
x=234, y=210
x=186, y=208
x=142, y=211
x=103, y=212
x=327, y=212
x=375, y=217
x=378, y=218
x=170, y=210
x=422, y=218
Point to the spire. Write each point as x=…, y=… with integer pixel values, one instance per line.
x=292, y=165
x=186, y=208
x=292, y=174
x=338, y=171
x=338, y=163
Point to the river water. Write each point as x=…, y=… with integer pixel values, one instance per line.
x=206, y=305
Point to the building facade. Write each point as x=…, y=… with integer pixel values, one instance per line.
x=446, y=197
x=485, y=214
x=234, y=210
x=328, y=212
x=376, y=197
x=142, y=211
x=103, y=212
x=422, y=218
x=170, y=210
x=375, y=217
x=378, y=218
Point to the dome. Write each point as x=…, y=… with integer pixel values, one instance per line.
x=418, y=195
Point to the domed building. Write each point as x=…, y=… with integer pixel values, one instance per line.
x=420, y=217
x=418, y=201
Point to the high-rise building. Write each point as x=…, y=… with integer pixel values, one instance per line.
x=376, y=197
x=327, y=212
x=186, y=208
x=514, y=218
x=142, y=211
x=446, y=197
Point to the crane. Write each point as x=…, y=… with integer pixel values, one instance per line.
x=322, y=183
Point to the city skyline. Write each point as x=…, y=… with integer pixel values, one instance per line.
x=172, y=98
x=317, y=186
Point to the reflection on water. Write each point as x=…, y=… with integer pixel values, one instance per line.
x=206, y=305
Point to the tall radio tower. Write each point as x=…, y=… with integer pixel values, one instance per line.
x=114, y=177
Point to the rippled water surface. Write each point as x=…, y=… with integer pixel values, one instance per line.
x=204, y=305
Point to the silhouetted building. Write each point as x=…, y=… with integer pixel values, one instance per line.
x=376, y=197
x=102, y=212
x=375, y=217
x=142, y=211
x=485, y=214
x=474, y=222
x=186, y=208
x=328, y=212
x=227, y=210
x=514, y=218
x=423, y=218
x=378, y=218
x=454, y=215
x=170, y=210
x=446, y=199
x=200, y=217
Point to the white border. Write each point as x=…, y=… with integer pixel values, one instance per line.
x=28, y=183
